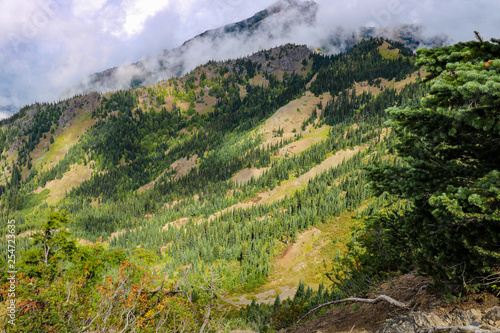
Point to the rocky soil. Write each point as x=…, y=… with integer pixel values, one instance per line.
x=428, y=311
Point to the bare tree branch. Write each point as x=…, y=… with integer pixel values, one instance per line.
x=361, y=300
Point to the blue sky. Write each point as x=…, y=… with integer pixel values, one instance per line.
x=48, y=45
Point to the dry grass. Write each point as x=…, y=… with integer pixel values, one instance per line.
x=362, y=87
x=300, y=261
x=399, y=85
x=243, y=91
x=316, y=135
x=267, y=296
x=259, y=80
x=388, y=53
x=309, y=84
x=243, y=176
x=290, y=118
x=43, y=159
x=209, y=103
x=295, y=251
x=279, y=73
x=59, y=187
x=177, y=223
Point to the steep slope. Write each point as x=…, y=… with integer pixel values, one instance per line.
x=286, y=21
x=154, y=167
x=176, y=119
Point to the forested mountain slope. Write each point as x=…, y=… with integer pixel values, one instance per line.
x=222, y=170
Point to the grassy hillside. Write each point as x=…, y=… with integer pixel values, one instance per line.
x=252, y=169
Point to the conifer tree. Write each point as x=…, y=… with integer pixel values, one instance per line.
x=451, y=178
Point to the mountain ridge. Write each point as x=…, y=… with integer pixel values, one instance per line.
x=278, y=24
x=57, y=150
x=255, y=31
x=171, y=62
x=251, y=170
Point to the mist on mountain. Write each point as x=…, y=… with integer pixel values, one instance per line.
x=283, y=22
x=50, y=49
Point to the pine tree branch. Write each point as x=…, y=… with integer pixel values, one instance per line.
x=361, y=300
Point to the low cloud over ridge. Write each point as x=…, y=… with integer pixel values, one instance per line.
x=50, y=45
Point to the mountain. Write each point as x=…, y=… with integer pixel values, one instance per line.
x=278, y=24
x=284, y=22
x=410, y=35
x=236, y=196
x=211, y=44
x=237, y=167
x=290, y=11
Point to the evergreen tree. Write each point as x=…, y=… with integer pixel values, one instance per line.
x=451, y=178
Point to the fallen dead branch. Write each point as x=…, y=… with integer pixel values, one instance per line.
x=381, y=298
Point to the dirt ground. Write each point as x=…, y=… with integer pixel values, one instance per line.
x=245, y=175
x=416, y=291
x=184, y=165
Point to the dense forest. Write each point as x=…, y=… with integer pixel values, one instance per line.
x=161, y=227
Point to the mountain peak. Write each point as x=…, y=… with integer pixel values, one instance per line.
x=293, y=10
x=287, y=4
x=280, y=23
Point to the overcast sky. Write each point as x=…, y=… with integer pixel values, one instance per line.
x=47, y=45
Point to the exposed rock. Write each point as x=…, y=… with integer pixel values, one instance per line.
x=463, y=318
x=493, y=314
x=414, y=322
x=281, y=58
x=458, y=321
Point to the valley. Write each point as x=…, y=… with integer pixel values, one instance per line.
x=238, y=196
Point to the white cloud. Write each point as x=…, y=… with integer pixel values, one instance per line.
x=48, y=45
x=138, y=11
x=4, y=114
x=86, y=7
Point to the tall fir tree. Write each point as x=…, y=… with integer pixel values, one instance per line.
x=451, y=178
